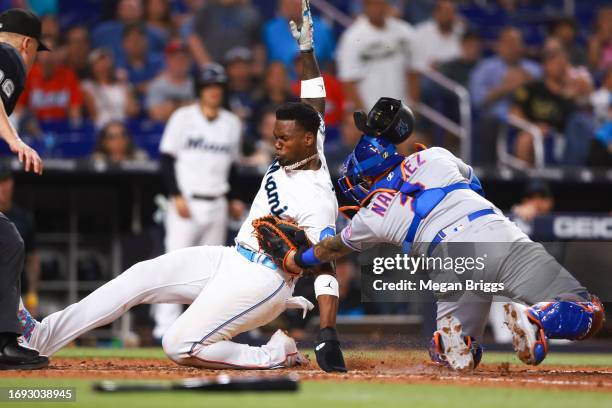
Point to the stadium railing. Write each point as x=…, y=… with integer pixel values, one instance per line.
x=506, y=157
x=463, y=129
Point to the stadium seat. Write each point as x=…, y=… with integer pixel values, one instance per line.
x=64, y=140
x=147, y=135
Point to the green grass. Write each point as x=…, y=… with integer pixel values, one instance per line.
x=577, y=359
x=328, y=394
x=336, y=394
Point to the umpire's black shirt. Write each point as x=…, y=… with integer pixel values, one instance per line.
x=12, y=76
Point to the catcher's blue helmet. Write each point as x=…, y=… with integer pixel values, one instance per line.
x=371, y=157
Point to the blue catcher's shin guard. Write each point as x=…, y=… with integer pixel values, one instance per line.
x=563, y=319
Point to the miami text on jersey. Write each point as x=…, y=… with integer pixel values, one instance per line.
x=272, y=191
x=194, y=142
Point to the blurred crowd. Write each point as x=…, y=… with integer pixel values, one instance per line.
x=116, y=81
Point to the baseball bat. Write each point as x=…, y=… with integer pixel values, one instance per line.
x=223, y=383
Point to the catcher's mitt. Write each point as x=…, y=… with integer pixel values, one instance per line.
x=278, y=237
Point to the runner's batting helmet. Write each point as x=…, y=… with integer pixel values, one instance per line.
x=372, y=156
x=389, y=118
x=210, y=74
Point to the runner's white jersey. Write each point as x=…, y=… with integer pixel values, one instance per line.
x=307, y=196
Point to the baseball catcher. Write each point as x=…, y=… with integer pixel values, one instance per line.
x=429, y=199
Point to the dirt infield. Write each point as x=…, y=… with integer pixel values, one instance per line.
x=404, y=368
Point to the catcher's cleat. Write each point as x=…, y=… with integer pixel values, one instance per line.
x=293, y=356
x=450, y=348
x=528, y=338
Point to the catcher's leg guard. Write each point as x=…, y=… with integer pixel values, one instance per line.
x=568, y=320
x=449, y=347
x=560, y=319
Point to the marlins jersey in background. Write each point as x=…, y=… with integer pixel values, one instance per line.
x=307, y=196
x=204, y=150
x=388, y=215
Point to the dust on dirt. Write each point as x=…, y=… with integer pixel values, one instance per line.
x=399, y=368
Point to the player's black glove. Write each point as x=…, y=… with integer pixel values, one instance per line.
x=327, y=350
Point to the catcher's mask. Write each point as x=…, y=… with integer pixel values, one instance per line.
x=371, y=157
x=389, y=118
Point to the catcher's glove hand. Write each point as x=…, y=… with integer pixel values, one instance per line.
x=278, y=237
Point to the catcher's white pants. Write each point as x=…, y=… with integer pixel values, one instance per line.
x=207, y=226
x=228, y=295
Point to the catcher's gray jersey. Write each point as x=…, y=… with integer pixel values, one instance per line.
x=389, y=214
x=528, y=272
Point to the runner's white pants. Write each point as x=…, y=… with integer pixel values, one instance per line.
x=228, y=295
x=206, y=226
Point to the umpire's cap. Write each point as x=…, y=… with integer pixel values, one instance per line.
x=210, y=74
x=24, y=22
x=389, y=119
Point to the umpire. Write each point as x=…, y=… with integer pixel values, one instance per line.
x=20, y=32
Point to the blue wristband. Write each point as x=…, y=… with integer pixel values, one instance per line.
x=308, y=258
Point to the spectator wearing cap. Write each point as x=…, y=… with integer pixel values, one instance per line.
x=108, y=34
x=106, y=98
x=240, y=82
x=115, y=145
x=492, y=85
x=53, y=91
x=221, y=25
x=77, y=49
x=438, y=39
x=24, y=221
x=136, y=64
x=280, y=44
x=174, y=87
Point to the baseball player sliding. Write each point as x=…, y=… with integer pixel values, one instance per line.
x=429, y=200
x=234, y=289
x=199, y=139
